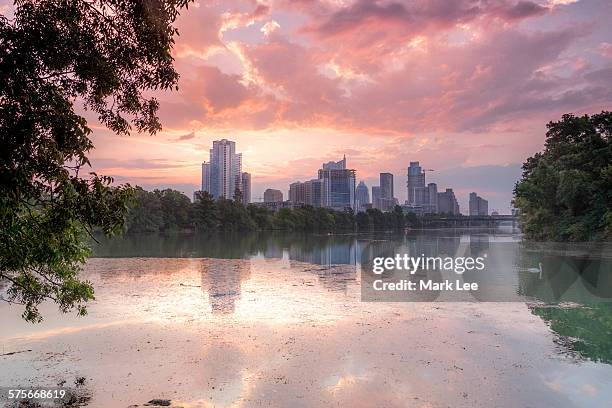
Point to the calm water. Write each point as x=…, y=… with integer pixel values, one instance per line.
x=279, y=320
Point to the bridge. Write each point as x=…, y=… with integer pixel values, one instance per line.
x=468, y=221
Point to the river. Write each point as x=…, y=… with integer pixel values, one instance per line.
x=271, y=319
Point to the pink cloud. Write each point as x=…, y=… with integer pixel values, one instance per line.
x=383, y=81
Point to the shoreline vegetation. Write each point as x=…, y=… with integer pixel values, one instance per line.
x=168, y=211
x=565, y=193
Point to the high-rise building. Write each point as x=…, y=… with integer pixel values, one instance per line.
x=337, y=185
x=246, y=188
x=313, y=192
x=273, y=196
x=447, y=202
x=431, y=203
x=205, y=176
x=387, y=199
x=478, y=205
x=306, y=193
x=415, y=184
x=222, y=174
x=334, y=188
x=376, y=197
x=362, y=196
x=332, y=165
x=386, y=185
x=297, y=193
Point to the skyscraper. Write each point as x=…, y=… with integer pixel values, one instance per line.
x=332, y=165
x=431, y=203
x=386, y=185
x=362, y=196
x=416, y=184
x=337, y=185
x=387, y=200
x=478, y=205
x=376, y=197
x=246, y=188
x=206, y=176
x=447, y=202
x=222, y=174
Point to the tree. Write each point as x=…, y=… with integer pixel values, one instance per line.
x=106, y=54
x=233, y=216
x=399, y=220
x=237, y=195
x=261, y=216
x=565, y=192
x=176, y=209
x=204, y=212
x=145, y=213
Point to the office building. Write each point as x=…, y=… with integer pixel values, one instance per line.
x=339, y=165
x=387, y=201
x=206, y=177
x=272, y=196
x=447, y=203
x=246, y=188
x=334, y=188
x=431, y=199
x=386, y=185
x=337, y=185
x=376, y=197
x=415, y=184
x=478, y=205
x=362, y=196
x=306, y=193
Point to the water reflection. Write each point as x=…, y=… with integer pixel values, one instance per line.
x=583, y=329
x=277, y=320
x=546, y=276
x=317, y=249
x=552, y=272
x=222, y=282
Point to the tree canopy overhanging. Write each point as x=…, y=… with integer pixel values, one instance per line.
x=103, y=55
x=565, y=193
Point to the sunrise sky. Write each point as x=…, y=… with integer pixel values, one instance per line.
x=465, y=87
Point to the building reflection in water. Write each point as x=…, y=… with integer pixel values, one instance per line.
x=221, y=280
x=326, y=254
x=337, y=257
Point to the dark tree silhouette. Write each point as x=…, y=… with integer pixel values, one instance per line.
x=105, y=54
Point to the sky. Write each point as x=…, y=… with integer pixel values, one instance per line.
x=466, y=87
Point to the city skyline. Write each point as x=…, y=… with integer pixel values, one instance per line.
x=334, y=188
x=466, y=87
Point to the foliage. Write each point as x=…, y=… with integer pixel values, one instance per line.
x=159, y=211
x=204, y=213
x=565, y=193
x=107, y=55
x=148, y=214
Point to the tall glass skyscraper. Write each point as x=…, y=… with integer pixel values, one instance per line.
x=416, y=184
x=222, y=174
x=362, y=196
x=337, y=185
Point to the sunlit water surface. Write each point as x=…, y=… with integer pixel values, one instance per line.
x=278, y=320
